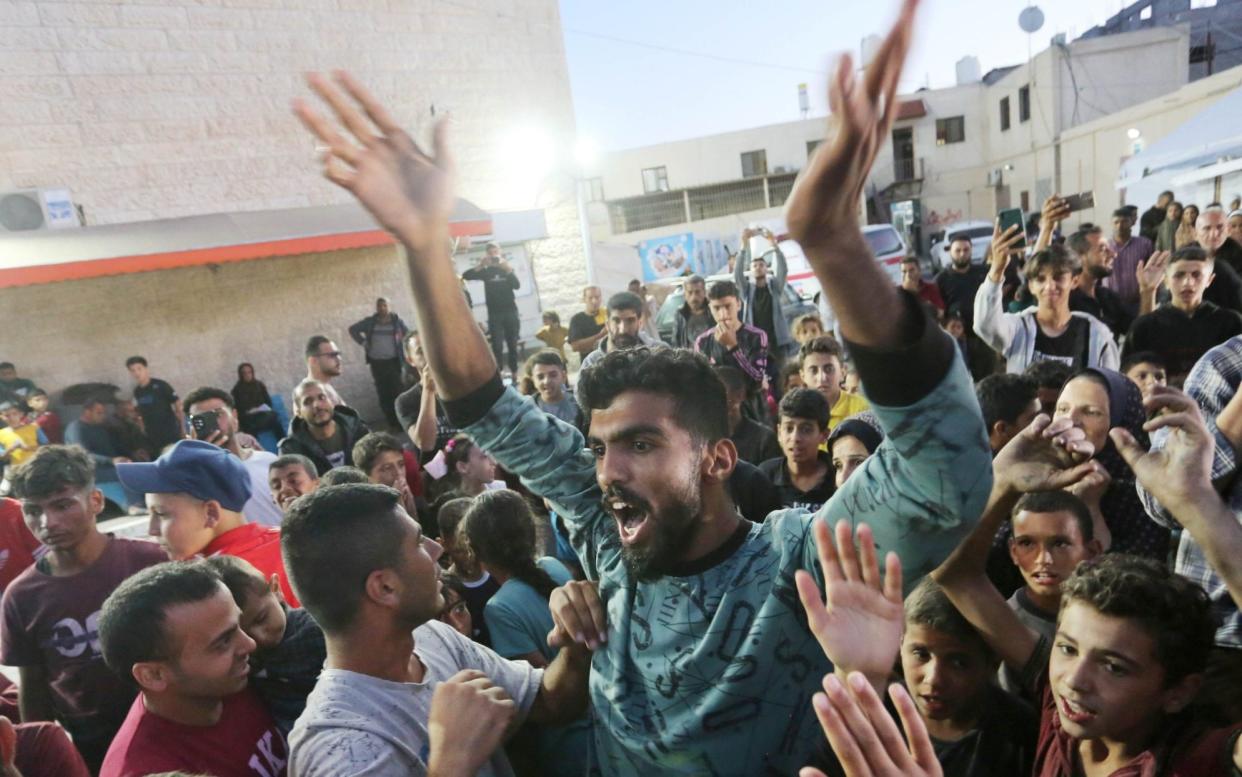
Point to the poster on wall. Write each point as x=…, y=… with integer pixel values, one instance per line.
x=667, y=257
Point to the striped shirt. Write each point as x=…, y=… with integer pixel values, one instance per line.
x=750, y=355
x=1123, y=281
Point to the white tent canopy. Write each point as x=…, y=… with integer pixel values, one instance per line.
x=1207, y=145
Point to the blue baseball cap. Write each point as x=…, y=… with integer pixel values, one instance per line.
x=200, y=469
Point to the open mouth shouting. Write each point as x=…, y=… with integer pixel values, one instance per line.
x=1074, y=713
x=632, y=514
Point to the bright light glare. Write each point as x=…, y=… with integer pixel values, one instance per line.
x=528, y=154
x=1133, y=133
x=585, y=152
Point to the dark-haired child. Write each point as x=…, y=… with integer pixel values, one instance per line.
x=1147, y=369
x=804, y=475
x=289, y=646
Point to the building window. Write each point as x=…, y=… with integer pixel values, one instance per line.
x=950, y=130
x=811, y=145
x=1025, y=199
x=1202, y=4
x=595, y=189
x=754, y=163
x=1145, y=14
x=1024, y=103
x=655, y=179
x=1004, y=113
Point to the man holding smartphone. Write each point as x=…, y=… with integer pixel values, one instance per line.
x=213, y=419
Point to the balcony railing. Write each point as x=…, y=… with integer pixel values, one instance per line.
x=682, y=206
x=907, y=169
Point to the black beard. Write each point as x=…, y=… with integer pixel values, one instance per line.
x=670, y=535
x=1099, y=271
x=624, y=341
x=962, y=264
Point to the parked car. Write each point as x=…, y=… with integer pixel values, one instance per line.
x=793, y=305
x=978, y=232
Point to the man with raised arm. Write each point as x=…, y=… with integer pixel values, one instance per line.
x=701, y=602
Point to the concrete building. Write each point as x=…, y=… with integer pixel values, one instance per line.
x=959, y=153
x=1215, y=29
x=166, y=110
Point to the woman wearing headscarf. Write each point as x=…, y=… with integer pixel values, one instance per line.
x=852, y=442
x=253, y=404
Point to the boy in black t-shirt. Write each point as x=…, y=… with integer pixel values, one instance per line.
x=162, y=417
x=804, y=475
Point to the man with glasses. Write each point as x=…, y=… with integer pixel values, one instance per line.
x=323, y=363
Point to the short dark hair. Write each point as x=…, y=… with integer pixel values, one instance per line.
x=1190, y=253
x=332, y=540
x=1079, y=242
x=1003, y=397
x=731, y=377
x=1172, y=609
x=131, y=361
x=824, y=344
x=911, y=259
x=1057, y=502
x=1054, y=259
x=694, y=280
x=202, y=394
x=239, y=576
x=806, y=403
x=1165, y=193
x=450, y=514
x=961, y=237
x=289, y=459
x=548, y=358
x=7, y=366
x=368, y=449
x=1140, y=357
x=338, y=476
x=312, y=345
x=131, y=623
x=51, y=468
x=37, y=393
x=723, y=290
x=700, y=406
x=929, y=606
x=1049, y=374
x=626, y=300
x=1121, y=213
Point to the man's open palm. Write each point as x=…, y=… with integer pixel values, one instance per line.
x=859, y=627
x=409, y=192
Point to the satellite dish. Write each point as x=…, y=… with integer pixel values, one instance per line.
x=1031, y=19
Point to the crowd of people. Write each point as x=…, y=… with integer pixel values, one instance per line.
x=986, y=525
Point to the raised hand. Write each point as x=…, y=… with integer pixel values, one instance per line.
x=824, y=202
x=409, y=192
x=469, y=718
x=1179, y=473
x=1150, y=272
x=1001, y=250
x=864, y=736
x=1045, y=456
x=859, y=627
x=1054, y=212
x=578, y=615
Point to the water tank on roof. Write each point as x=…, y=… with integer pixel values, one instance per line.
x=968, y=71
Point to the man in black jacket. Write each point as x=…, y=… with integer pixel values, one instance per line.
x=321, y=432
x=499, y=283
x=693, y=318
x=1149, y=225
x=382, y=335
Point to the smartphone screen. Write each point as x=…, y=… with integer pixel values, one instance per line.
x=1008, y=218
x=1080, y=201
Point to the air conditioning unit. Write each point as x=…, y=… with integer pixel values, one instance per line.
x=30, y=210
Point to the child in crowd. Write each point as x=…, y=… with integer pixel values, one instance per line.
x=47, y=420
x=456, y=611
x=478, y=586
x=977, y=729
x=791, y=377
x=289, y=646
x=1146, y=369
x=552, y=333
x=1050, y=377
x=851, y=384
x=21, y=437
x=804, y=475
x=822, y=368
x=807, y=327
x=549, y=385
x=501, y=531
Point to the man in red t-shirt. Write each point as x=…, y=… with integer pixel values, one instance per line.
x=18, y=547
x=196, y=492
x=50, y=610
x=175, y=630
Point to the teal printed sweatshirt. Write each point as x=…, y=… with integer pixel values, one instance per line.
x=713, y=672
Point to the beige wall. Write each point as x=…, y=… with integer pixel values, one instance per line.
x=194, y=325
x=150, y=109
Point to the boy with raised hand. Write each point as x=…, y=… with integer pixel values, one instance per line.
x=685, y=688
x=1132, y=639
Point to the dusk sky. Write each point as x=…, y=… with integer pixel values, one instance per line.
x=631, y=90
